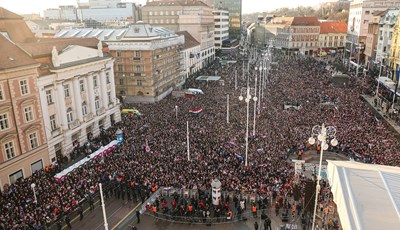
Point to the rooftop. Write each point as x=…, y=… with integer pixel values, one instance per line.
x=43, y=47
x=138, y=31
x=333, y=27
x=11, y=56
x=305, y=21
x=190, y=41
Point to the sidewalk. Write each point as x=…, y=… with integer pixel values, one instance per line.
x=395, y=127
x=149, y=222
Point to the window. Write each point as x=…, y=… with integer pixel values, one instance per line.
x=137, y=53
x=9, y=150
x=28, y=113
x=97, y=103
x=70, y=117
x=95, y=81
x=33, y=140
x=53, y=123
x=84, y=108
x=139, y=82
x=49, y=97
x=82, y=85
x=119, y=54
x=109, y=97
x=66, y=90
x=3, y=121
x=120, y=68
x=121, y=81
x=36, y=166
x=15, y=176
x=24, y=87
x=1, y=93
x=108, y=77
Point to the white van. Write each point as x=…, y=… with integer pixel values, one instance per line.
x=195, y=91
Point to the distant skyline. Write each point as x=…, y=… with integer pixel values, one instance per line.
x=248, y=6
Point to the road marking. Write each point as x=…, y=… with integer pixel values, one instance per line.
x=86, y=210
x=115, y=226
x=109, y=217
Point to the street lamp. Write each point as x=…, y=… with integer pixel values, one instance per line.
x=103, y=207
x=176, y=112
x=359, y=47
x=380, y=71
x=33, y=185
x=325, y=135
x=247, y=100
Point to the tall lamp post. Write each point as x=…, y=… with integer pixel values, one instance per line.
x=176, y=112
x=325, y=135
x=255, y=100
x=247, y=100
x=33, y=185
x=380, y=72
x=103, y=207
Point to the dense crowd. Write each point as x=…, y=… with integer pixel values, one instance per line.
x=216, y=147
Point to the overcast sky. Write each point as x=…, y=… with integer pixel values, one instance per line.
x=249, y=6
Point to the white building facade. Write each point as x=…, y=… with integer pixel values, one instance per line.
x=360, y=15
x=385, y=34
x=221, y=32
x=77, y=98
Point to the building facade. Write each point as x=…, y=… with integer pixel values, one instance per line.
x=221, y=32
x=235, y=15
x=385, y=37
x=147, y=63
x=190, y=54
x=394, y=53
x=23, y=144
x=73, y=115
x=101, y=11
x=332, y=35
x=372, y=38
x=360, y=15
x=295, y=34
x=192, y=16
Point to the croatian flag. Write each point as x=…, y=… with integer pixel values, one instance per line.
x=239, y=157
x=196, y=111
x=147, y=147
x=233, y=144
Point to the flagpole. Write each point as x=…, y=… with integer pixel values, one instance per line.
x=235, y=80
x=227, y=108
x=187, y=137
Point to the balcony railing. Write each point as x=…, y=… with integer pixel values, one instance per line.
x=74, y=124
x=88, y=117
x=55, y=131
x=100, y=111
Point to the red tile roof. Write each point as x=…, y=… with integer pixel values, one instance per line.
x=15, y=27
x=43, y=47
x=305, y=21
x=5, y=14
x=190, y=41
x=333, y=27
x=11, y=56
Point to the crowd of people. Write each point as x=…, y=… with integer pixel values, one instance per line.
x=217, y=148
